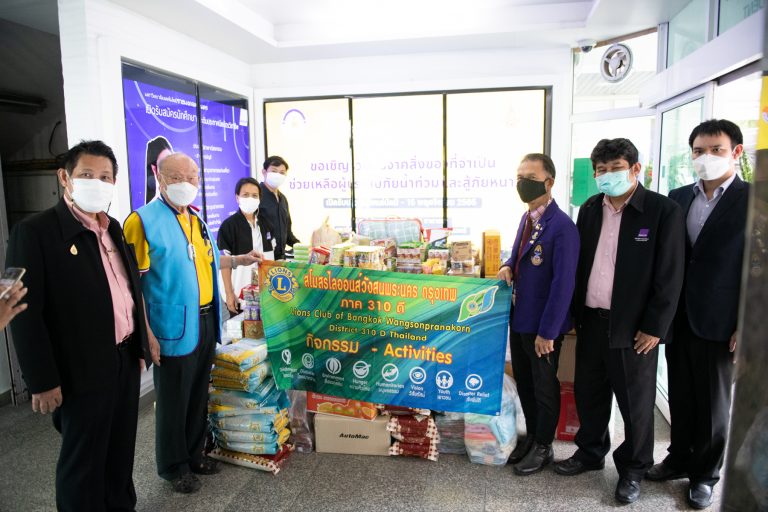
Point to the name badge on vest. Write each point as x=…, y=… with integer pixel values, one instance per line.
x=538, y=255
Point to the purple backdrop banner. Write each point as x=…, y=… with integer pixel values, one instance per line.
x=227, y=157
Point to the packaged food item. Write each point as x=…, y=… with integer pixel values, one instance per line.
x=398, y=410
x=269, y=463
x=252, y=422
x=242, y=355
x=388, y=244
x=412, y=426
x=239, y=436
x=254, y=375
x=320, y=255
x=428, y=450
x=369, y=257
x=450, y=427
x=337, y=252
x=491, y=253
x=253, y=329
x=461, y=250
x=328, y=404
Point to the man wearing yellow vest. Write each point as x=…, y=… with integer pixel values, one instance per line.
x=179, y=262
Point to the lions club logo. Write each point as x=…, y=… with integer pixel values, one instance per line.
x=282, y=284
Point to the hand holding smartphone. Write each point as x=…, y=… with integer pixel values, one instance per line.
x=8, y=280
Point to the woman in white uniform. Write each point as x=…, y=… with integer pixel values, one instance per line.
x=241, y=233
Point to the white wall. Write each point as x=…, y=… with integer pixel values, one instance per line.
x=428, y=72
x=95, y=36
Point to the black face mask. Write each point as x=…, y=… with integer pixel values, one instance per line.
x=530, y=189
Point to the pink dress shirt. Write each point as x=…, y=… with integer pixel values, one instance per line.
x=600, y=284
x=117, y=277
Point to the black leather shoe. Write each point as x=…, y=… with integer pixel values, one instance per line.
x=539, y=456
x=524, y=446
x=186, y=484
x=663, y=472
x=700, y=495
x=207, y=466
x=627, y=491
x=573, y=467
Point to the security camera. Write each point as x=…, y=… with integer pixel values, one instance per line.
x=586, y=45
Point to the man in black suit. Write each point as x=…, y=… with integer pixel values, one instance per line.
x=700, y=360
x=628, y=282
x=273, y=209
x=83, y=340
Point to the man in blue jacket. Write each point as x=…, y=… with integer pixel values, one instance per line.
x=543, y=268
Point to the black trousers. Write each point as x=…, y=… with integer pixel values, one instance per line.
x=537, y=385
x=181, y=389
x=700, y=382
x=98, y=431
x=600, y=373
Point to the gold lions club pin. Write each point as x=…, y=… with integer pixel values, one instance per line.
x=73, y=250
x=538, y=256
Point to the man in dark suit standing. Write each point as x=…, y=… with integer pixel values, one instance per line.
x=273, y=209
x=83, y=339
x=700, y=359
x=628, y=283
x=543, y=268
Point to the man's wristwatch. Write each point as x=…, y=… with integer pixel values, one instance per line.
x=234, y=262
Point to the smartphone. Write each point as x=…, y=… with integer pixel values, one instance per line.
x=10, y=277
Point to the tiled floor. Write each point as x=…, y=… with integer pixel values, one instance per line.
x=322, y=482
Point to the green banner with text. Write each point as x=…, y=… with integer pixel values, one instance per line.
x=416, y=340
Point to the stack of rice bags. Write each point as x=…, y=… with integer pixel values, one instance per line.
x=247, y=413
x=414, y=432
x=490, y=439
x=450, y=426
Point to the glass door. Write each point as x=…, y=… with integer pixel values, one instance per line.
x=678, y=118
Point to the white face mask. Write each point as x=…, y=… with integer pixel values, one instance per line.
x=181, y=194
x=248, y=204
x=92, y=196
x=275, y=179
x=711, y=167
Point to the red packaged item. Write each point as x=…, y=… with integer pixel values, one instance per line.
x=428, y=451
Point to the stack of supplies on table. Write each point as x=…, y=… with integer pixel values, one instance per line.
x=247, y=413
x=301, y=253
x=450, y=426
x=414, y=432
x=490, y=439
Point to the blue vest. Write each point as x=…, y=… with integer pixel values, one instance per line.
x=170, y=285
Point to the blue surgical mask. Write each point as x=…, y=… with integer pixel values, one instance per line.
x=614, y=183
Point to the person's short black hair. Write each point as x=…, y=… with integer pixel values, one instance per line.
x=614, y=149
x=70, y=159
x=546, y=162
x=245, y=181
x=154, y=148
x=275, y=160
x=717, y=127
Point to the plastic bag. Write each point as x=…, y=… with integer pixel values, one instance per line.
x=450, y=426
x=241, y=355
x=269, y=463
x=325, y=235
x=302, y=434
x=252, y=422
x=239, y=436
x=249, y=379
x=490, y=439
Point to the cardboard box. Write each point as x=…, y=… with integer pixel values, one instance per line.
x=327, y=404
x=491, y=253
x=338, y=434
x=568, y=424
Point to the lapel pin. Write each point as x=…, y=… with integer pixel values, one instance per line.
x=73, y=250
